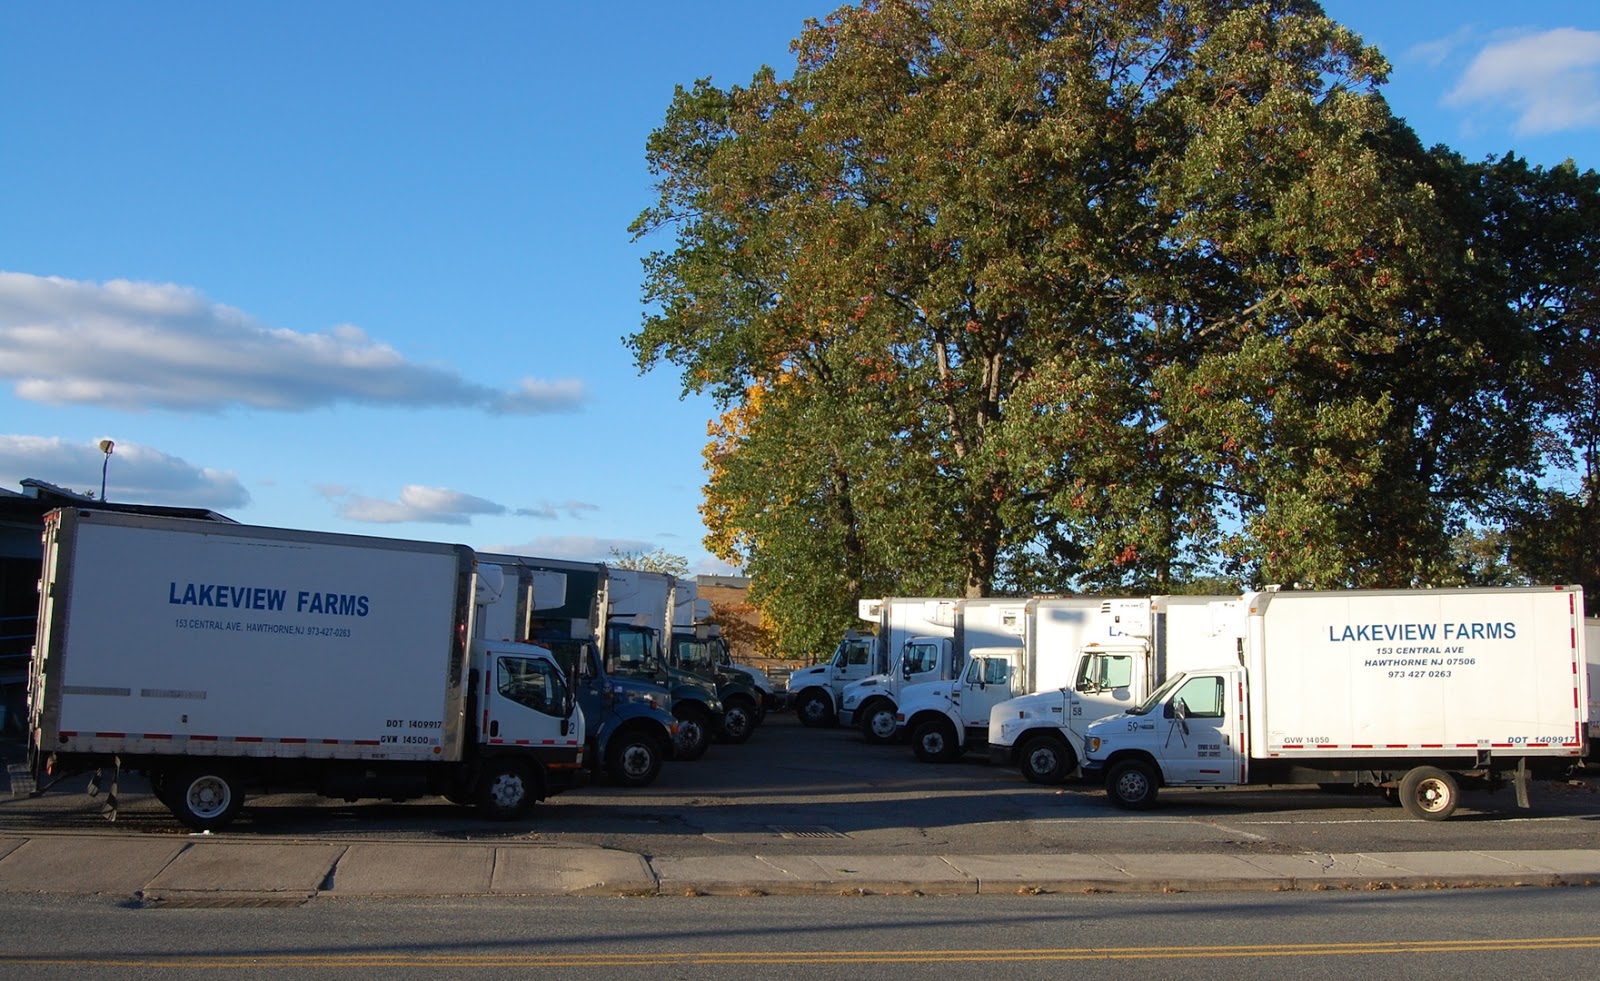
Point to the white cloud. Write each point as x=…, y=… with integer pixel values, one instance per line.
x=549, y=512
x=134, y=346
x=1550, y=80
x=134, y=474
x=430, y=505
x=1436, y=52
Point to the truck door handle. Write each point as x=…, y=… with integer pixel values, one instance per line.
x=494, y=728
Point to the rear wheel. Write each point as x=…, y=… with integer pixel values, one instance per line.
x=507, y=790
x=1133, y=785
x=1429, y=793
x=1046, y=759
x=815, y=711
x=934, y=741
x=878, y=724
x=205, y=798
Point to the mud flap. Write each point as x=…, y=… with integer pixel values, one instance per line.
x=109, y=811
x=1519, y=780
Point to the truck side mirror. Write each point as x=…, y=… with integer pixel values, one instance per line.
x=1179, y=709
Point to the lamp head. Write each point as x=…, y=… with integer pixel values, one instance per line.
x=106, y=445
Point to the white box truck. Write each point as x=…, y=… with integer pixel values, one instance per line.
x=1408, y=690
x=816, y=691
x=944, y=719
x=216, y=657
x=929, y=640
x=1042, y=733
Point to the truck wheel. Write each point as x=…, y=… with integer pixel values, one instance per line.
x=633, y=759
x=1046, y=759
x=506, y=790
x=694, y=734
x=1132, y=784
x=738, y=720
x=878, y=723
x=204, y=798
x=815, y=711
x=1429, y=793
x=934, y=741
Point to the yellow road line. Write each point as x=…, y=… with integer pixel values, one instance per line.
x=709, y=958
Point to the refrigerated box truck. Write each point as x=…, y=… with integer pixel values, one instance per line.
x=217, y=658
x=1412, y=691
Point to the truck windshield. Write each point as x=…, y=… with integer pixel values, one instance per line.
x=854, y=651
x=1156, y=697
x=631, y=650
x=696, y=655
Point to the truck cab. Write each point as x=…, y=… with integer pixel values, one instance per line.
x=817, y=690
x=1187, y=733
x=873, y=702
x=943, y=718
x=631, y=731
x=634, y=652
x=742, y=704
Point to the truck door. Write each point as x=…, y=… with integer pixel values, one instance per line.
x=921, y=660
x=852, y=661
x=525, y=702
x=989, y=680
x=1200, y=725
x=1103, y=685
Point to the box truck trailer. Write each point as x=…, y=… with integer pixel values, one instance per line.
x=217, y=658
x=1412, y=691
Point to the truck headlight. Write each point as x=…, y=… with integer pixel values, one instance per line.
x=1094, y=744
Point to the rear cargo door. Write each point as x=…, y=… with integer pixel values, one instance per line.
x=1202, y=721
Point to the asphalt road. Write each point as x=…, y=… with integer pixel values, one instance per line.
x=1489, y=934
x=797, y=790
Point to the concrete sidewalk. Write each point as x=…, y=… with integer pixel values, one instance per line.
x=204, y=869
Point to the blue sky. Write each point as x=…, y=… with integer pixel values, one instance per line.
x=364, y=267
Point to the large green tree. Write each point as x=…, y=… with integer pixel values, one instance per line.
x=1112, y=294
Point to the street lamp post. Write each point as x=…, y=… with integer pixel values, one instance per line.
x=106, y=446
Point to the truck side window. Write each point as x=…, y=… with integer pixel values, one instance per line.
x=995, y=671
x=921, y=657
x=1098, y=672
x=1202, y=696
x=532, y=682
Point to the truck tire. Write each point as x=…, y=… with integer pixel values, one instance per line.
x=1046, y=759
x=633, y=759
x=878, y=724
x=694, y=733
x=739, y=720
x=1132, y=784
x=1429, y=793
x=203, y=798
x=934, y=741
x=507, y=790
x=815, y=711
